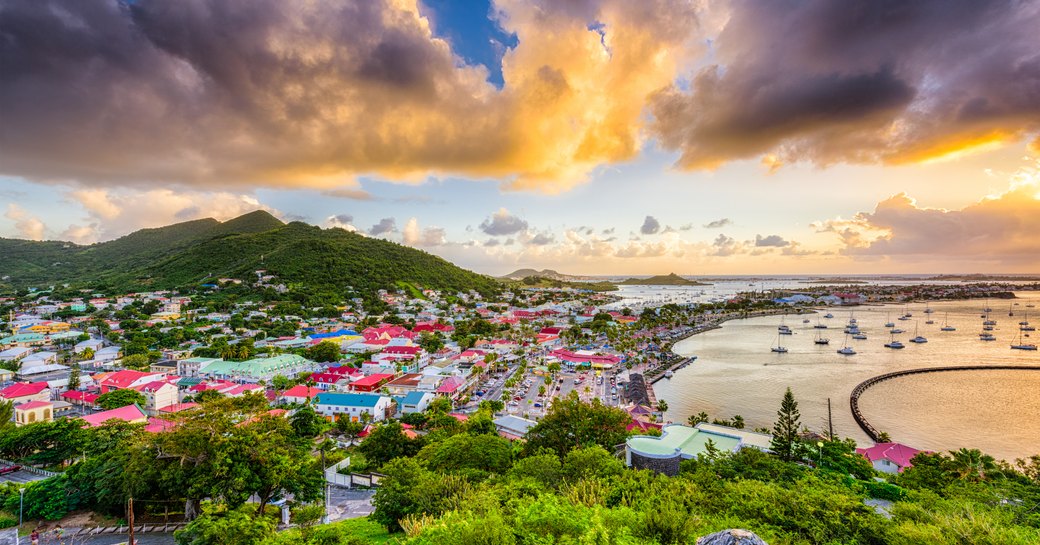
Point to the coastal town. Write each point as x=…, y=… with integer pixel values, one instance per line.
x=148, y=358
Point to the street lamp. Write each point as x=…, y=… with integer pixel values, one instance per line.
x=21, y=506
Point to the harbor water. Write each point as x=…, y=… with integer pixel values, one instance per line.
x=996, y=411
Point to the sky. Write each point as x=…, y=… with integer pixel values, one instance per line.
x=587, y=136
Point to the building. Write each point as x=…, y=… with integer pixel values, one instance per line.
x=353, y=406
x=300, y=394
x=371, y=383
x=258, y=369
x=33, y=411
x=678, y=442
x=889, y=457
x=24, y=392
x=414, y=402
x=513, y=427
x=158, y=395
x=127, y=378
x=131, y=414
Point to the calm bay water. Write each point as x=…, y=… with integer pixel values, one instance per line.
x=997, y=411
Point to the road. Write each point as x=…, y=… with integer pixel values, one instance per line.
x=21, y=477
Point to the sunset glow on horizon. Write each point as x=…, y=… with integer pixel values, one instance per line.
x=594, y=137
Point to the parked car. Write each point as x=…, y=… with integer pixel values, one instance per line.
x=9, y=469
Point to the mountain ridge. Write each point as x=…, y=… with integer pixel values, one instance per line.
x=201, y=251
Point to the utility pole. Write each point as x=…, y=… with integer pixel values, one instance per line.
x=130, y=519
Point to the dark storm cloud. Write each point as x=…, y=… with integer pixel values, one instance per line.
x=503, y=223
x=770, y=241
x=650, y=226
x=863, y=81
x=718, y=224
x=385, y=225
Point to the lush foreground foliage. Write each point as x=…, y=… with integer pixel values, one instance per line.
x=459, y=482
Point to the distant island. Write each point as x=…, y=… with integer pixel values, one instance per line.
x=984, y=278
x=834, y=281
x=662, y=280
x=520, y=274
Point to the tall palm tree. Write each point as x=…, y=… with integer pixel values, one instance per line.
x=972, y=465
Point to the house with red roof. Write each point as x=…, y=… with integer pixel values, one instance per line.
x=158, y=394
x=131, y=413
x=126, y=379
x=451, y=387
x=24, y=392
x=177, y=407
x=330, y=381
x=889, y=457
x=300, y=393
x=80, y=398
x=371, y=383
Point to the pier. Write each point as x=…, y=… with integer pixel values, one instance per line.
x=871, y=431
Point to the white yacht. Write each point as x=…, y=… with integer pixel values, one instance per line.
x=946, y=324
x=846, y=351
x=917, y=338
x=1019, y=345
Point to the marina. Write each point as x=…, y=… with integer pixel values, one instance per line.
x=738, y=373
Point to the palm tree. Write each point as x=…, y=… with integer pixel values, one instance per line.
x=972, y=465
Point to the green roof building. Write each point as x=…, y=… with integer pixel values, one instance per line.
x=258, y=369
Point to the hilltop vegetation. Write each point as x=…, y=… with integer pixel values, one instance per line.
x=662, y=280
x=521, y=274
x=202, y=251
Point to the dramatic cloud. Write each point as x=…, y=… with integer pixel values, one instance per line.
x=274, y=93
x=503, y=223
x=771, y=241
x=385, y=225
x=28, y=226
x=825, y=81
x=718, y=224
x=1000, y=229
x=650, y=226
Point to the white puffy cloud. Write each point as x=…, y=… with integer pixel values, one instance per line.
x=28, y=226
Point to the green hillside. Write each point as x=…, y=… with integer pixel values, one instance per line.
x=200, y=251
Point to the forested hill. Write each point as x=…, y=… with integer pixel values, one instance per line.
x=201, y=251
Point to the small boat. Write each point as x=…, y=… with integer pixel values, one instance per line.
x=821, y=340
x=894, y=344
x=1026, y=328
x=986, y=336
x=890, y=323
x=929, y=322
x=860, y=336
x=779, y=349
x=896, y=331
x=819, y=325
x=928, y=309
x=805, y=321
x=668, y=374
x=987, y=328
x=946, y=324
x=1019, y=345
x=828, y=315
x=846, y=350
